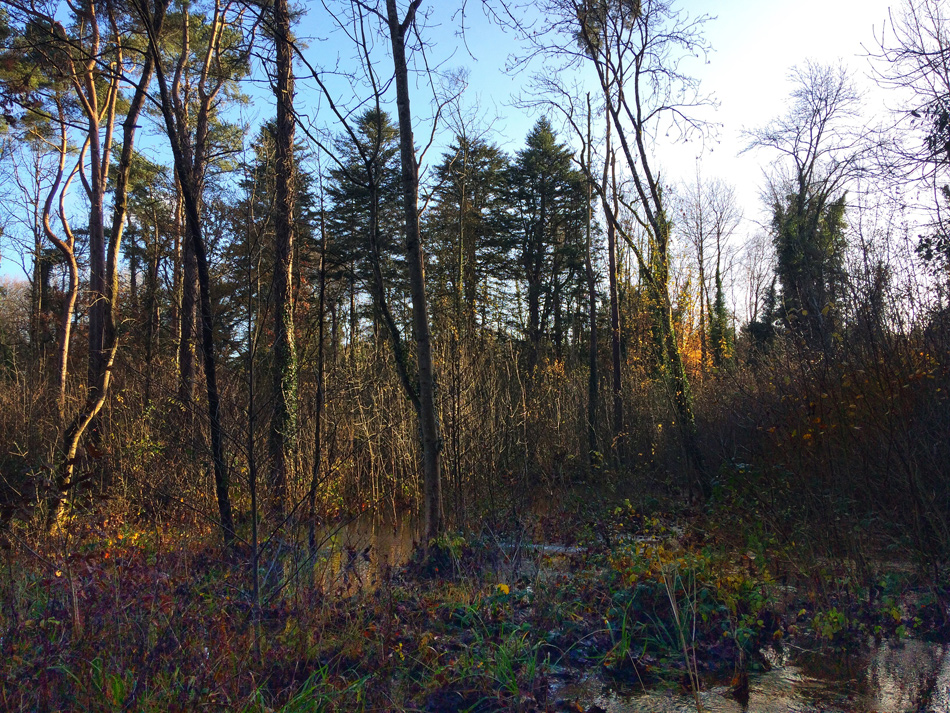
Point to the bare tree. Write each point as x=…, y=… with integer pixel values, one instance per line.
x=757, y=263
x=709, y=216
x=419, y=388
x=593, y=381
x=187, y=152
x=912, y=59
x=636, y=49
x=821, y=148
x=29, y=168
x=428, y=417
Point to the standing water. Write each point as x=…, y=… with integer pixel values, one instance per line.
x=909, y=676
x=358, y=554
x=901, y=677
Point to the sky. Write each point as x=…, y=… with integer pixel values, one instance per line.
x=755, y=44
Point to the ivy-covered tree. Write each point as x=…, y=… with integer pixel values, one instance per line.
x=819, y=154
x=809, y=238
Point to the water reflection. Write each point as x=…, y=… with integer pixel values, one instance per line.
x=360, y=553
x=910, y=676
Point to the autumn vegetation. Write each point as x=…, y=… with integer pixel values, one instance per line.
x=616, y=433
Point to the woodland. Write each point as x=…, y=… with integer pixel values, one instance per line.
x=603, y=431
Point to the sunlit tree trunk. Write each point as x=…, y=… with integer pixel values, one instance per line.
x=592, y=360
x=284, y=422
x=428, y=418
x=188, y=152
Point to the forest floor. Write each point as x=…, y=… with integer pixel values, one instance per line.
x=128, y=617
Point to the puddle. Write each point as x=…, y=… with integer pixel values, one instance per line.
x=359, y=554
x=905, y=677
x=911, y=676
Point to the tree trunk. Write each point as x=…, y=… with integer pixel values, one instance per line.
x=178, y=139
x=103, y=260
x=65, y=478
x=428, y=418
x=284, y=422
x=186, y=327
x=619, y=429
x=66, y=248
x=703, y=308
x=317, y=469
x=177, y=267
x=36, y=293
x=151, y=311
x=121, y=183
x=682, y=398
x=592, y=377
x=99, y=116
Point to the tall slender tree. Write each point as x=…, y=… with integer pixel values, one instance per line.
x=634, y=48
x=709, y=215
x=91, y=48
x=188, y=149
x=428, y=416
x=284, y=422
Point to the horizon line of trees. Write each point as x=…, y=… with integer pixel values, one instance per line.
x=292, y=261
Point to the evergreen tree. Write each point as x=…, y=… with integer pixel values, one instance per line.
x=468, y=223
x=761, y=328
x=721, y=337
x=548, y=202
x=363, y=220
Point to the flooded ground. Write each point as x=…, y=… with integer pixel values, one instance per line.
x=899, y=677
x=354, y=555
x=909, y=676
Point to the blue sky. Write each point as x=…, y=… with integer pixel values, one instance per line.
x=755, y=45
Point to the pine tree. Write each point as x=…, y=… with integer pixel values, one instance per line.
x=548, y=202
x=468, y=224
x=363, y=192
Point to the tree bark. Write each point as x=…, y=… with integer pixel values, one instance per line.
x=592, y=379
x=180, y=145
x=67, y=249
x=284, y=422
x=186, y=326
x=615, y=342
x=317, y=469
x=428, y=418
x=103, y=259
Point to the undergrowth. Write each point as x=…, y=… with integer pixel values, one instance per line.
x=132, y=618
